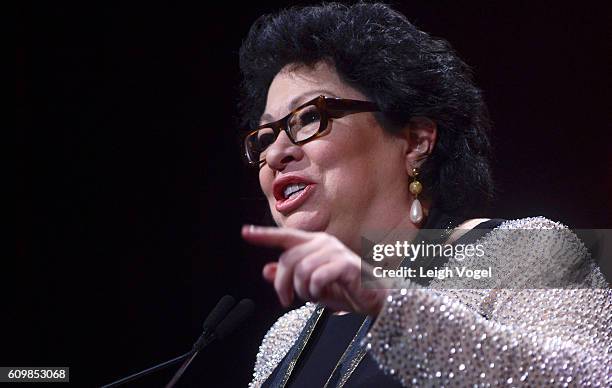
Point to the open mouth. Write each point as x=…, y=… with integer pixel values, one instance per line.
x=293, y=190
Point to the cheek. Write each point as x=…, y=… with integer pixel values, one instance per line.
x=343, y=164
x=356, y=163
x=266, y=179
x=351, y=153
x=349, y=183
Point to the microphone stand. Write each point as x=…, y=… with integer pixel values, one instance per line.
x=206, y=338
x=150, y=370
x=235, y=317
x=219, y=323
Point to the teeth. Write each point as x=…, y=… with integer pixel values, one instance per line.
x=292, y=189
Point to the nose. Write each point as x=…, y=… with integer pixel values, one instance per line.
x=282, y=152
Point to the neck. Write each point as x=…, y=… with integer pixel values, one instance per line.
x=395, y=226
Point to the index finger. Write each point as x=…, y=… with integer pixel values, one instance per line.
x=275, y=237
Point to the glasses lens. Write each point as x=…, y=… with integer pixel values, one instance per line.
x=305, y=123
x=257, y=143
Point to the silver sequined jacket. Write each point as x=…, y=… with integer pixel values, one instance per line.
x=507, y=334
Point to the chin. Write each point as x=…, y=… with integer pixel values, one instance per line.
x=303, y=221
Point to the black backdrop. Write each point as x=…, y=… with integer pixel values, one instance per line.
x=131, y=191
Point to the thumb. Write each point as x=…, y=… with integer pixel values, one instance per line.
x=269, y=272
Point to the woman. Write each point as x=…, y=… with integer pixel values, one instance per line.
x=359, y=123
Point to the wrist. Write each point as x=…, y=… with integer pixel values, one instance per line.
x=379, y=302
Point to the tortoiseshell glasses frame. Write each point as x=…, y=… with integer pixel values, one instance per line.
x=304, y=123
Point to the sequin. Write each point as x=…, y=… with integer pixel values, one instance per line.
x=497, y=336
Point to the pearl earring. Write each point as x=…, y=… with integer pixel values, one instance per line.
x=416, y=210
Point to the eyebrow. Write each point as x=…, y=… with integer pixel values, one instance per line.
x=296, y=101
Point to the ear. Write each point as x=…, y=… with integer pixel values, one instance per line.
x=422, y=135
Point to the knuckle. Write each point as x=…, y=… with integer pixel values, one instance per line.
x=333, y=242
x=299, y=273
x=278, y=284
x=323, y=237
x=297, y=285
x=315, y=290
x=277, y=287
x=282, y=258
x=306, y=266
x=285, y=257
x=317, y=279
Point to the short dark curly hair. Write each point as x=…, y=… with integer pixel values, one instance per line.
x=407, y=72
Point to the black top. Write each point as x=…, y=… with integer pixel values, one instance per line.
x=333, y=334
x=325, y=347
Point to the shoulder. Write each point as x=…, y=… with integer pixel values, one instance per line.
x=278, y=340
x=477, y=227
x=542, y=250
x=538, y=222
x=526, y=252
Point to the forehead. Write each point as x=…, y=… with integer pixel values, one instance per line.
x=297, y=84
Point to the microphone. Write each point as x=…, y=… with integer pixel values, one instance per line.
x=220, y=311
x=239, y=314
x=210, y=325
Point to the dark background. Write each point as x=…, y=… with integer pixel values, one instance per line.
x=131, y=191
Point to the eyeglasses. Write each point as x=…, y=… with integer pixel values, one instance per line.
x=303, y=124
